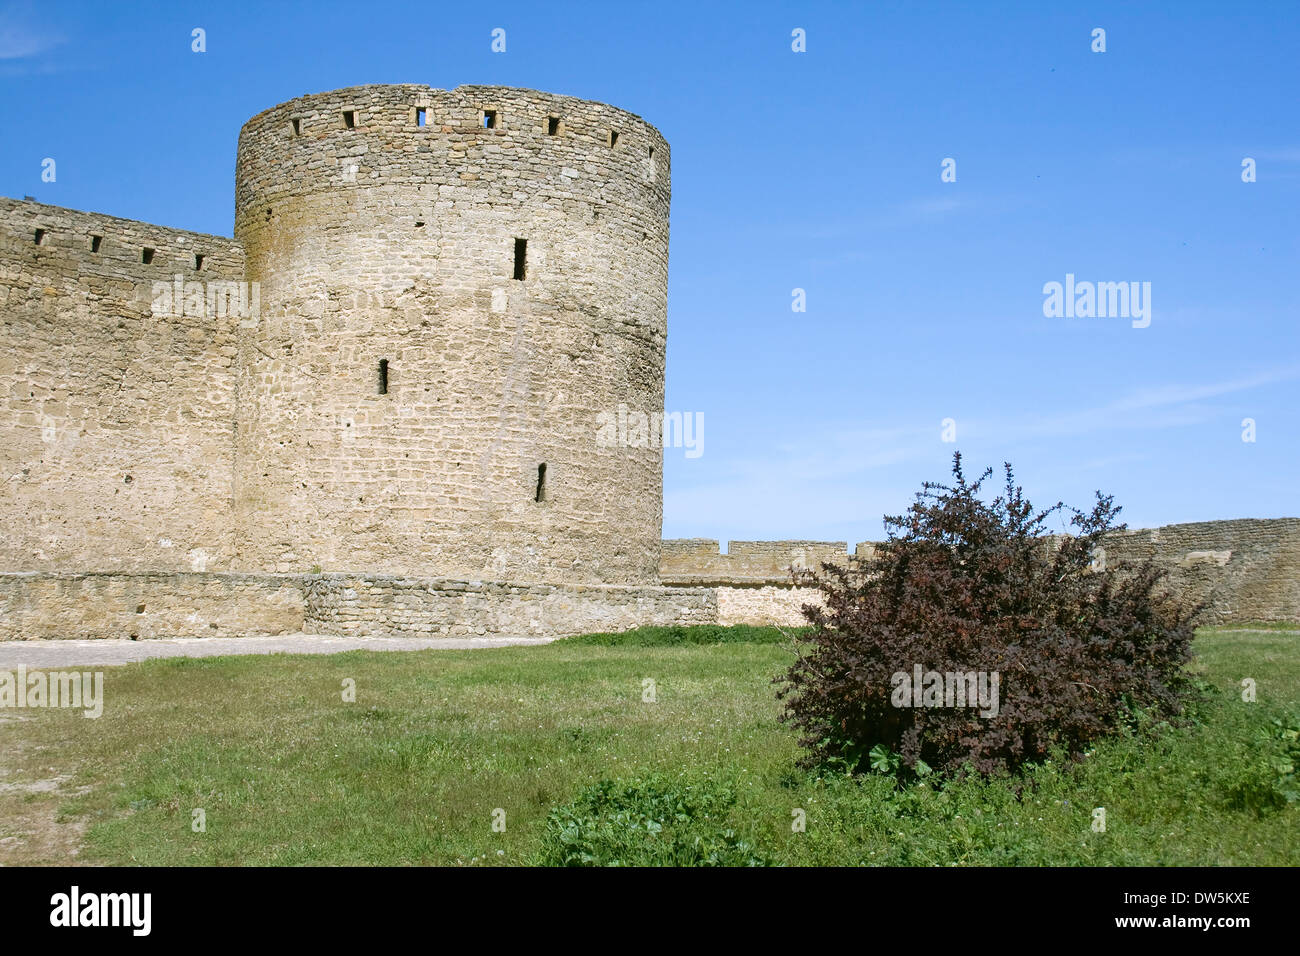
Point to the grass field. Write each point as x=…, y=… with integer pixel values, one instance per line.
x=287, y=772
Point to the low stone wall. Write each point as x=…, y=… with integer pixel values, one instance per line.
x=142, y=606
x=223, y=604
x=371, y=606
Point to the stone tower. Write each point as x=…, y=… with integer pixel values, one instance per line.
x=453, y=286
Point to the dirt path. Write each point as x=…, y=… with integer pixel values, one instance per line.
x=32, y=830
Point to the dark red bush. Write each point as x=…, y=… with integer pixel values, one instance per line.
x=964, y=586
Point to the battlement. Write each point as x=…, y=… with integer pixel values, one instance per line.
x=64, y=244
x=689, y=561
x=504, y=140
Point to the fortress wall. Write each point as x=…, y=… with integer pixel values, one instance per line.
x=1244, y=570
x=394, y=241
x=148, y=605
x=356, y=605
x=116, y=435
x=143, y=456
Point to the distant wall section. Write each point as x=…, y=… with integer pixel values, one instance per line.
x=1242, y=570
x=697, y=561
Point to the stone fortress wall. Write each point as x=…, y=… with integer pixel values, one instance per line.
x=1241, y=570
x=451, y=286
x=441, y=290
x=147, y=605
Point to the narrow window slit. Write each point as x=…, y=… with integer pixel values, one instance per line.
x=349, y=119
x=94, y=243
x=297, y=126
x=552, y=126
x=383, y=376
x=420, y=116
x=489, y=119
x=146, y=255
x=613, y=137
x=521, y=258
x=198, y=261
x=541, y=483
x=39, y=237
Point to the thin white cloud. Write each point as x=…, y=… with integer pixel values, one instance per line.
x=1167, y=405
x=933, y=207
x=907, y=213
x=21, y=36
x=1287, y=155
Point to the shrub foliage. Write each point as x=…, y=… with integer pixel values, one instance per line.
x=652, y=822
x=964, y=585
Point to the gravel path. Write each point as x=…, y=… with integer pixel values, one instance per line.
x=107, y=653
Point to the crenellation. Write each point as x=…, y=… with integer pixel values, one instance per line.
x=77, y=243
x=749, y=563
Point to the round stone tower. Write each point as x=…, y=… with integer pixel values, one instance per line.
x=453, y=287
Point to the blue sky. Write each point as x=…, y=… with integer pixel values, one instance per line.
x=821, y=171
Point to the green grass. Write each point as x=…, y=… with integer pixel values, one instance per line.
x=1263, y=626
x=677, y=636
x=289, y=773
